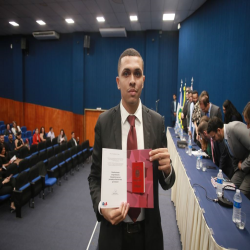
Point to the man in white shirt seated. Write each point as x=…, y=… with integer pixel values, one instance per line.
x=51, y=134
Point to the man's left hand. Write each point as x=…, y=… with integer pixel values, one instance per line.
x=239, y=165
x=163, y=157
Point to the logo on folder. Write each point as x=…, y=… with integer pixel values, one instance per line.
x=105, y=203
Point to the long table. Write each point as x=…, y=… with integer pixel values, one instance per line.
x=203, y=224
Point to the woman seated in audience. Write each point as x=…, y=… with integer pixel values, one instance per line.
x=4, y=156
x=7, y=187
x=51, y=134
x=42, y=134
x=15, y=129
x=36, y=137
x=230, y=112
x=62, y=137
x=7, y=130
x=19, y=141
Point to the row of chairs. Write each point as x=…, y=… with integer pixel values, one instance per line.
x=43, y=169
x=3, y=127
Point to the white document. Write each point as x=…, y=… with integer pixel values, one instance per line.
x=114, y=178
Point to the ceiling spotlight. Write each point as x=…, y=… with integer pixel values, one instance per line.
x=179, y=26
x=14, y=23
x=69, y=20
x=133, y=18
x=168, y=17
x=41, y=22
x=100, y=19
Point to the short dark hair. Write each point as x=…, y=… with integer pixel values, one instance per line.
x=72, y=132
x=195, y=92
x=246, y=111
x=214, y=124
x=129, y=52
x=190, y=92
x=204, y=97
x=18, y=133
x=50, y=128
x=202, y=126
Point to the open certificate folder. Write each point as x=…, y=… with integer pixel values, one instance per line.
x=118, y=178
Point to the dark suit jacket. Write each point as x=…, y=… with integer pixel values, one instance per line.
x=71, y=141
x=185, y=111
x=215, y=111
x=108, y=135
x=172, y=110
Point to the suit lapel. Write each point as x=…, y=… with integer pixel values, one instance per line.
x=116, y=116
x=146, y=117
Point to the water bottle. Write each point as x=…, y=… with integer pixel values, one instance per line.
x=189, y=146
x=201, y=163
x=198, y=162
x=219, y=191
x=237, y=207
x=175, y=128
x=181, y=136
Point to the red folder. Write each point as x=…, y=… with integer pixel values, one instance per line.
x=138, y=177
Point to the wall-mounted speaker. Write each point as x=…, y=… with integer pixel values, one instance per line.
x=86, y=43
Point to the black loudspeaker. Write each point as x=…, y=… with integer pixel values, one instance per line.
x=23, y=44
x=86, y=43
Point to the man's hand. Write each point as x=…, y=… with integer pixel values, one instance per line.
x=182, y=116
x=163, y=157
x=115, y=215
x=174, y=113
x=239, y=165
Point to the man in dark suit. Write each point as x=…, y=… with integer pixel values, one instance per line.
x=118, y=231
x=236, y=138
x=184, y=112
x=73, y=141
x=173, y=110
x=208, y=109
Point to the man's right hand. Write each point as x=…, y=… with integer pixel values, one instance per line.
x=115, y=215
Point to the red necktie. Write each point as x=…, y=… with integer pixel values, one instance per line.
x=132, y=144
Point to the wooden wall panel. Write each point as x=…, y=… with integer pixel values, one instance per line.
x=33, y=116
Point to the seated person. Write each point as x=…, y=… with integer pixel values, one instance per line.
x=19, y=141
x=51, y=134
x=42, y=134
x=230, y=113
x=2, y=142
x=4, y=157
x=6, y=187
x=15, y=129
x=36, y=137
x=7, y=130
x=62, y=137
x=74, y=142
x=11, y=143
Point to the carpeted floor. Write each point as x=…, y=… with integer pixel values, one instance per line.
x=65, y=220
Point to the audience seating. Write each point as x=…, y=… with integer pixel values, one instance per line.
x=48, y=143
x=2, y=127
x=50, y=152
x=4, y=197
x=1, y=123
x=22, y=193
x=56, y=149
x=43, y=155
x=41, y=145
x=54, y=141
x=36, y=183
x=61, y=166
x=23, y=152
x=63, y=147
x=34, y=159
x=52, y=167
x=23, y=129
x=33, y=148
x=12, y=169
x=24, y=165
x=28, y=134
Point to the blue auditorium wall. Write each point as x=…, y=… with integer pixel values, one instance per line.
x=61, y=74
x=214, y=49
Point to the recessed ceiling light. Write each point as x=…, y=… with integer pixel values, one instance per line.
x=133, y=18
x=41, y=22
x=100, y=19
x=14, y=23
x=168, y=17
x=69, y=20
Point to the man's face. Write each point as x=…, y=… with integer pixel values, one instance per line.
x=218, y=136
x=224, y=109
x=203, y=108
x=73, y=135
x=174, y=97
x=130, y=80
x=190, y=97
x=187, y=93
x=247, y=122
x=10, y=137
x=2, y=139
x=195, y=98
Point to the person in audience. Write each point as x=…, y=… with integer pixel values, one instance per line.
x=7, y=187
x=236, y=138
x=73, y=141
x=215, y=149
x=209, y=109
x=2, y=142
x=36, y=137
x=173, y=110
x=15, y=129
x=7, y=130
x=246, y=114
x=19, y=141
x=230, y=113
x=42, y=134
x=62, y=137
x=51, y=134
x=11, y=143
x=4, y=157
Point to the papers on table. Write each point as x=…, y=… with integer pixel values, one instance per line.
x=196, y=153
x=229, y=184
